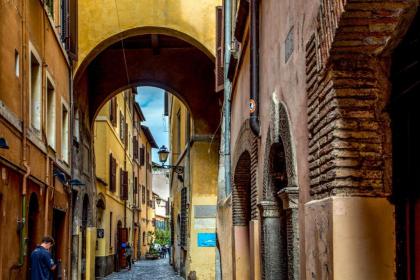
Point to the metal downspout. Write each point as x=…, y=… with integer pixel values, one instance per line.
x=254, y=100
x=227, y=93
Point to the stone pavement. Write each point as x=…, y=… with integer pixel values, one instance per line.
x=147, y=270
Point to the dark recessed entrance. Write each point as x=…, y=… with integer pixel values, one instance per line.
x=405, y=116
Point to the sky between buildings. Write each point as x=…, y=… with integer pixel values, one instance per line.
x=151, y=103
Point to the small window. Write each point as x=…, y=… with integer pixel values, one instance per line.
x=77, y=126
x=178, y=132
x=36, y=93
x=51, y=114
x=17, y=64
x=65, y=134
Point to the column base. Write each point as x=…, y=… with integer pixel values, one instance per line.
x=350, y=238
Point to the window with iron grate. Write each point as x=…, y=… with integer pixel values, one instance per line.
x=184, y=218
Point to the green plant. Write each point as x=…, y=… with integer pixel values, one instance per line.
x=162, y=237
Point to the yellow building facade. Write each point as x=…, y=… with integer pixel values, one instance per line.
x=147, y=212
x=35, y=132
x=193, y=196
x=122, y=155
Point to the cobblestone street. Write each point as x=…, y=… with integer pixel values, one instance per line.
x=147, y=270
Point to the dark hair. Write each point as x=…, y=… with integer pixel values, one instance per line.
x=47, y=239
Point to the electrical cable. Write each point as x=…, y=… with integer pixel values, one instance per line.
x=122, y=44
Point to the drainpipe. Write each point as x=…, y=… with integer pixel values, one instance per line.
x=21, y=228
x=70, y=195
x=227, y=93
x=254, y=99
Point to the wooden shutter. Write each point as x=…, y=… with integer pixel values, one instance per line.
x=219, y=67
x=124, y=195
x=184, y=217
x=112, y=173
x=142, y=155
x=64, y=28
x=72, y=30
x=143, y=190
x=122, y=126
x=126, y=134
x=135, y=148
x=121, y=183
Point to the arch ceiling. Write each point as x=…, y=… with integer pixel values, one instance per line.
x=100, y=21
x=163, y=43
x=156, y=60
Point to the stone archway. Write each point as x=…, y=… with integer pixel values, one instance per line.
x=174, y=63
x=244, y=204
x=279, y=205
x=241, y=197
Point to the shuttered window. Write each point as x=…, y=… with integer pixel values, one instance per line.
x=126, y=135
x=112, y=173
x=219, y=68
x=135, y=190
x=123, y=184
x=72, y=30
x=122, y=126
x=183, y=217
x=143, y=192
x=142, y=155
x=64, y=28
x=135, y=148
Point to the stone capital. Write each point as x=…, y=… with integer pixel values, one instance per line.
x=290, y=197
x=269, y=209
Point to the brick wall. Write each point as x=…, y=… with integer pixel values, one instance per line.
x=347, y=87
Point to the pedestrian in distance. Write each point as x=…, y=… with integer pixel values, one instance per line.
x=42, y=264
x=128, y=254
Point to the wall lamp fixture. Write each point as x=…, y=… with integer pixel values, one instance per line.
x=63, y=179
x=3, y=143
x=163, y=157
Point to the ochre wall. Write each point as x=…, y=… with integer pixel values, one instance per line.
x=26, y=26
x=200, y=160
x=98, y=23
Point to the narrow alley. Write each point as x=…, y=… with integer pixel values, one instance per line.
x=147, y=270
x=247, y=139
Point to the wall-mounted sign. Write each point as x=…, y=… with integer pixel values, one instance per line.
x=206, y=239
x=100, y=233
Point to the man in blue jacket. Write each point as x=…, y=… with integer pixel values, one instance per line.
x=42, y=263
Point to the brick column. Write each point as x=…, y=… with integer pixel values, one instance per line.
x=290, y=200
x=273, y=235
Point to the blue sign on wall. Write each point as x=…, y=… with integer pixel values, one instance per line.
x=206, y=239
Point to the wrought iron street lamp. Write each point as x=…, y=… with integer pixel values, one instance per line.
x=158, y=200
x=163, y=157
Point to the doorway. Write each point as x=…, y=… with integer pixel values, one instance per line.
x=33, y=221
x=85, y=213
x=405, y=115
x=59, y=234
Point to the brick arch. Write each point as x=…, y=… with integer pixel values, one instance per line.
x=279, y=137
x=279, y=206
x=348, y=88
x=247, y=143
x=241, y=191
